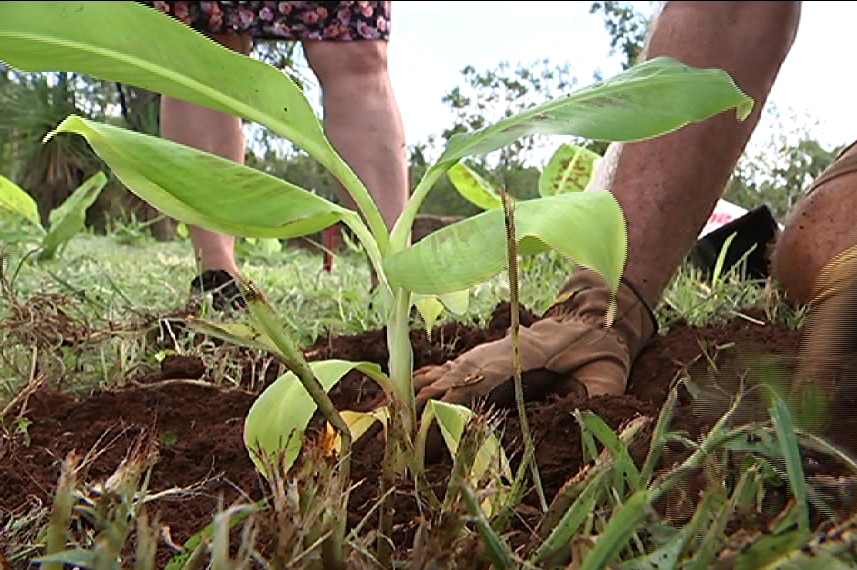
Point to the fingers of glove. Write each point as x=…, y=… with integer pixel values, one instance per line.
x=542, y=342
x=602, y=377
x=428, y=375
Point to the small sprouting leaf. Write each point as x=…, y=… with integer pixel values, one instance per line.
x=69, y=218
x=452, y=420
x=430, y=309
x=431, y=306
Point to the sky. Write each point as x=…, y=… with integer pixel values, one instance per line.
x=432, y=41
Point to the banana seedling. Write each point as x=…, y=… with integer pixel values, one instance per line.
x=116, y=42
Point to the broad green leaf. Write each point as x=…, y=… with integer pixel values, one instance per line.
x=278, y=418
x=203, y=189
x=130, y=43
x=650, y=99
x=587, y=227
x=69, y=218
x=16, y=200
x=568, y=170
x=473, y=187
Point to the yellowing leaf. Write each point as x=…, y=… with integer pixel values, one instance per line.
x=568, y=170
x=452, y=420
x=278, y=418
x=358, y=423
x=473, y=187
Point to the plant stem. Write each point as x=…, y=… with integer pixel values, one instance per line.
x=401, y=360
x=515, y=307
x=388, y=480
x=402, y=229
x=370, y=244
x=263, y=314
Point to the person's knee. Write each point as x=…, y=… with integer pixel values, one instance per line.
x=241, y=43
x=333, y=60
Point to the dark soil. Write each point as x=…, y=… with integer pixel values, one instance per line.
x=199, y=426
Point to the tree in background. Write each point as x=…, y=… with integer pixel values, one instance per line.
x=778, y=169
x=774, y=171
x=627, y=26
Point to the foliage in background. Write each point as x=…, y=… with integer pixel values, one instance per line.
x=777, y=169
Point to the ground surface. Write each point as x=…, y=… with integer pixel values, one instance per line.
x=199, y=425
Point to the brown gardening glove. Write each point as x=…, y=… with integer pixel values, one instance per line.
x=570, y=350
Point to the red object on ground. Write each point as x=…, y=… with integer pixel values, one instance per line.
x=330, y=241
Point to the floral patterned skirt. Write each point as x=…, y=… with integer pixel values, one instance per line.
x=293, y=21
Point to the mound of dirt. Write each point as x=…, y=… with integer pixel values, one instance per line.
x=199, y=426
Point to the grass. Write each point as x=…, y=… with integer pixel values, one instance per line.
x=108, y=291
x=120, y=283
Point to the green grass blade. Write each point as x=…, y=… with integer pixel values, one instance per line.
x=495, y=547
x=659, y=436
x=587, y=227
x=713, y=539
x=624, y=466
x=573, y=518
x=785, y=429
x=622, y=525
x=76, y=558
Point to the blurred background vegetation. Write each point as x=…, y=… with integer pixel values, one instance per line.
x=776, y=173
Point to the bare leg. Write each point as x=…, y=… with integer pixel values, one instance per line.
x=820, y=227
x=668, y=186
x=361, y=117
x=217, y=133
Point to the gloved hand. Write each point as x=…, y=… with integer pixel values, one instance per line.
x=569, y=350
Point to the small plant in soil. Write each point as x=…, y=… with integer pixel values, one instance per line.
x=116, y=42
